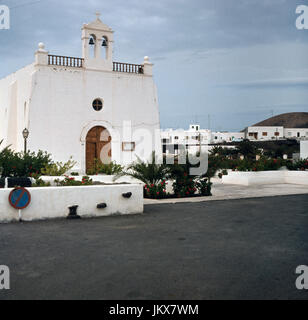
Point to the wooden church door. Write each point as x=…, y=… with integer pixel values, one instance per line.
x=97, y=139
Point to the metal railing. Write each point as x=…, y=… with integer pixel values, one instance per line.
x=65, y=61
x=74, y=62
x=128, y=68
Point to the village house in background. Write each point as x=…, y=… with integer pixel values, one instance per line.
x=87, y=108
x=196, y=139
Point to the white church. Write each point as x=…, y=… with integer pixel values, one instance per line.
x=85, y=108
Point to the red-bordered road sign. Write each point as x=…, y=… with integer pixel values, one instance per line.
x=19, y=198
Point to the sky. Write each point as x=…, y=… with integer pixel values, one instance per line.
x=224, y=64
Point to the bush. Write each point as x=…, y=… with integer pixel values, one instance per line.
x=71, y=182
x=13, y=164
x=204, y=187
x=102, y=168
x=40, y=183
x=58, y=169
x=298, y=165
x=155, y=191
x=184, y=186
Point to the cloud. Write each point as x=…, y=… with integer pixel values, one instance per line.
x=205, y=51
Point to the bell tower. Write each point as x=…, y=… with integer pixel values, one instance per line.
x=97, y=45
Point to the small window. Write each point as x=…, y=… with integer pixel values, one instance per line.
x=277, y=134
x=251, y=134
x=176, y=138
x=128, y=146
x=264, y=134
x=97, y=104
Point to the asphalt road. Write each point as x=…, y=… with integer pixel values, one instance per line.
x=237, y=249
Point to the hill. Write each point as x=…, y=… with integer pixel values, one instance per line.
x=287, y=120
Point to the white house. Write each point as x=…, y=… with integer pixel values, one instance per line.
x=89, y=107
x=264, y=133
x=275, y=133
x=192, y=140
x=221, y=137
x=295, y=133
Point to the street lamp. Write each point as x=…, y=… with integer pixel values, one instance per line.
x=25, y=134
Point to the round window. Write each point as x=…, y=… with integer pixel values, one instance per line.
x=97, y=105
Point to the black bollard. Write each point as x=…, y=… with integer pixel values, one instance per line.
x=101, y=206
x=127, y=195
x=73, y=213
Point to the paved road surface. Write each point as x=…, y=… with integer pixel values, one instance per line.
x=236, y=249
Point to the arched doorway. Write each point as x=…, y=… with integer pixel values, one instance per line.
x=98, y=146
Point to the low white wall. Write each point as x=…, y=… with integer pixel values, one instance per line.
x=53, y=202
x=108, y=180
x=266, y=177
x=296, y=177
x=97, y=178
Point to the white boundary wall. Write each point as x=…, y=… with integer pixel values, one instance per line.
x=304, y=150
x=53, y=202
x=106, y=179
x=266, y=177
x=98, y=178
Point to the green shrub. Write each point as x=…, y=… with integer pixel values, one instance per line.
x=155, y=191
x=204, y=187
x=58, y=168
x=19, y=164
x=298, y=165
x=107, y=169
x=71, y=182
x=40, y=183
x=184, y=186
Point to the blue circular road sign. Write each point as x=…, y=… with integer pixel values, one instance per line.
x=20, y=198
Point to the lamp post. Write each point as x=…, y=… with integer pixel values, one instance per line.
x=25, y=134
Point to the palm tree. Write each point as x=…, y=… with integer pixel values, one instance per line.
x=148, y=172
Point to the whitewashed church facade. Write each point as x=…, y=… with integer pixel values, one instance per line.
x=89, y=107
